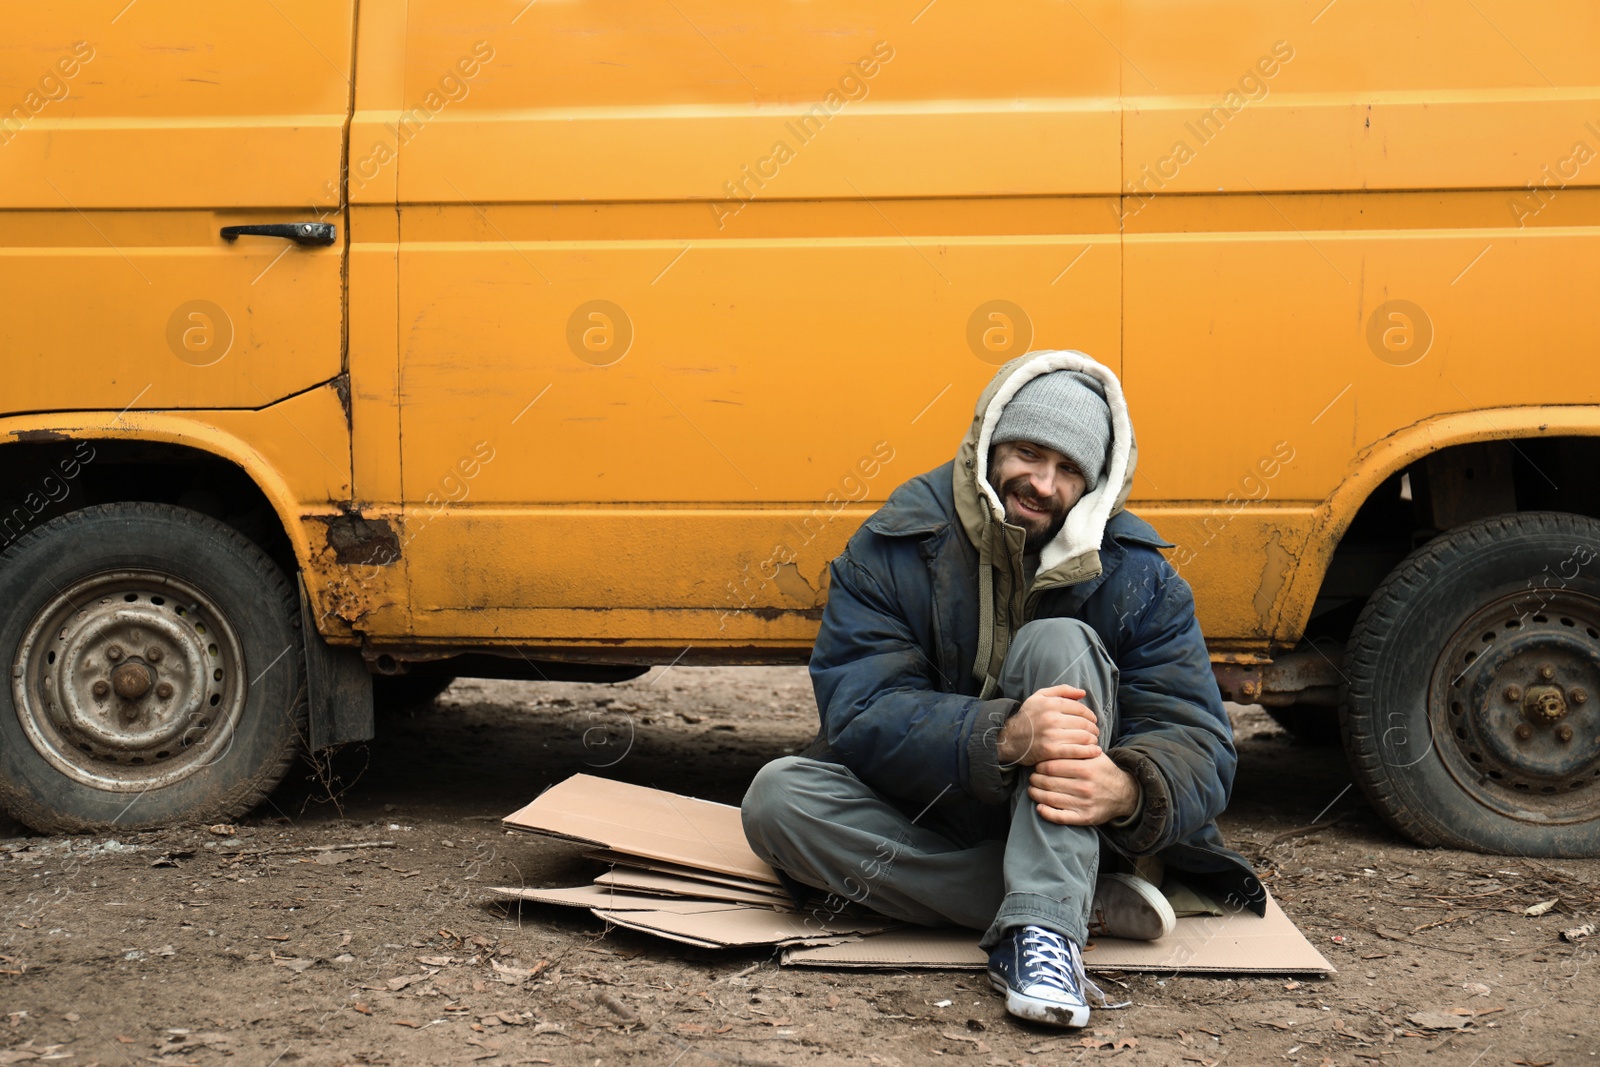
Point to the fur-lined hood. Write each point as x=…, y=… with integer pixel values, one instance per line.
x=1073, y=554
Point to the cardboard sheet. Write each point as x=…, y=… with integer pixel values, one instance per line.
x=682, y=870
x=1236, y=943
x=727, y=925
x=644, y=822
x=665, y=886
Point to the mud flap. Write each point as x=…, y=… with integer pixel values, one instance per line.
x=338, y=687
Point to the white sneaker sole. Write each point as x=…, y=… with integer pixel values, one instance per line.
x=1041, y=1011
x=1151, y=895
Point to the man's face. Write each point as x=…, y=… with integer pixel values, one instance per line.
x=1037, y=485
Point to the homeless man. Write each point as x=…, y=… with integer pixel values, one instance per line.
x=1010, y=678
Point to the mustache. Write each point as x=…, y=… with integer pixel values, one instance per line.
x=1019, y=487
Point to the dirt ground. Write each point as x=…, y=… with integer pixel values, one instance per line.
x=263, y=944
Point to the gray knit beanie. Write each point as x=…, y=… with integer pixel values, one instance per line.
x=1065, y=410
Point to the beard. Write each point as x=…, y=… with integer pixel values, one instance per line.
x=1039, y=529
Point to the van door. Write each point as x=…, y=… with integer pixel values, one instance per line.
x=684, y=291
x=128, y=140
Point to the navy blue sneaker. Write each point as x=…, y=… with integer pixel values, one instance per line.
x=1041, y=974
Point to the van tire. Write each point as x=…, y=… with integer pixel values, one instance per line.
x=1455, y=732
x=157, y=671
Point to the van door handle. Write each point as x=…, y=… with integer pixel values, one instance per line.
x=301, y=233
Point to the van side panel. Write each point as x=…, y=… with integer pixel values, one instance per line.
x=1337, y=228
x=683, y=293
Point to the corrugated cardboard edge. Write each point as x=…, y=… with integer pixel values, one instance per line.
x=612, y=899
x=1237, y=943
x=678, y=870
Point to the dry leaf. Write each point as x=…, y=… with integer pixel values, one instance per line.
x=517, y=974
x=397, y=984
x=1439, y=1020
x=977, y=1045
x=1578, y=933
x=1533, y=911
x=436, y=961
x=328, y=859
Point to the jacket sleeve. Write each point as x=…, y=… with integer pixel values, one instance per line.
x=884, y=709
x=1173, y=733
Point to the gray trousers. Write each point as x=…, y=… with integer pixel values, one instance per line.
x=976, y=865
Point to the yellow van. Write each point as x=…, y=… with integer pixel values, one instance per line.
x=500, y=336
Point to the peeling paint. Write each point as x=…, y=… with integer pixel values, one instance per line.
x=38, y=437
x=793, y=585
x=1274, y=576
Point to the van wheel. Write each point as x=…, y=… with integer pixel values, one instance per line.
x=157, y=671
x=1472, y=714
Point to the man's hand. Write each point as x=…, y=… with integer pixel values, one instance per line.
x=1050, y=725
x=1082, y=792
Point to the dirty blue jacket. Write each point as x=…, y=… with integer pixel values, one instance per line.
x=901, y=708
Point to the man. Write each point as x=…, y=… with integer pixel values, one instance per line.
x=1009, y=675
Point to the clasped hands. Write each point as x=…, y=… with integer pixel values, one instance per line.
x=1073, y=781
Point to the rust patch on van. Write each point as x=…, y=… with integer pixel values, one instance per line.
x=356, y=539
x=39, y=437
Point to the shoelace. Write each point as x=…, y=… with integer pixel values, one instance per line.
x=1061, y=965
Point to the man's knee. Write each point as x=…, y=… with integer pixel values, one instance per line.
x=1048, y=652
x=768, y=796
x=1053, y=635
x=780, y=791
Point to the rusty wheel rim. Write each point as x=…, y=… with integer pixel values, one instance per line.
x=129, y=681
x=1514, y=704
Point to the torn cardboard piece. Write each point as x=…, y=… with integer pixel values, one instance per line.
x=1238, y=942
x=644, y=822
x=677, y=870
x=668, y=886
x=731, y=925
